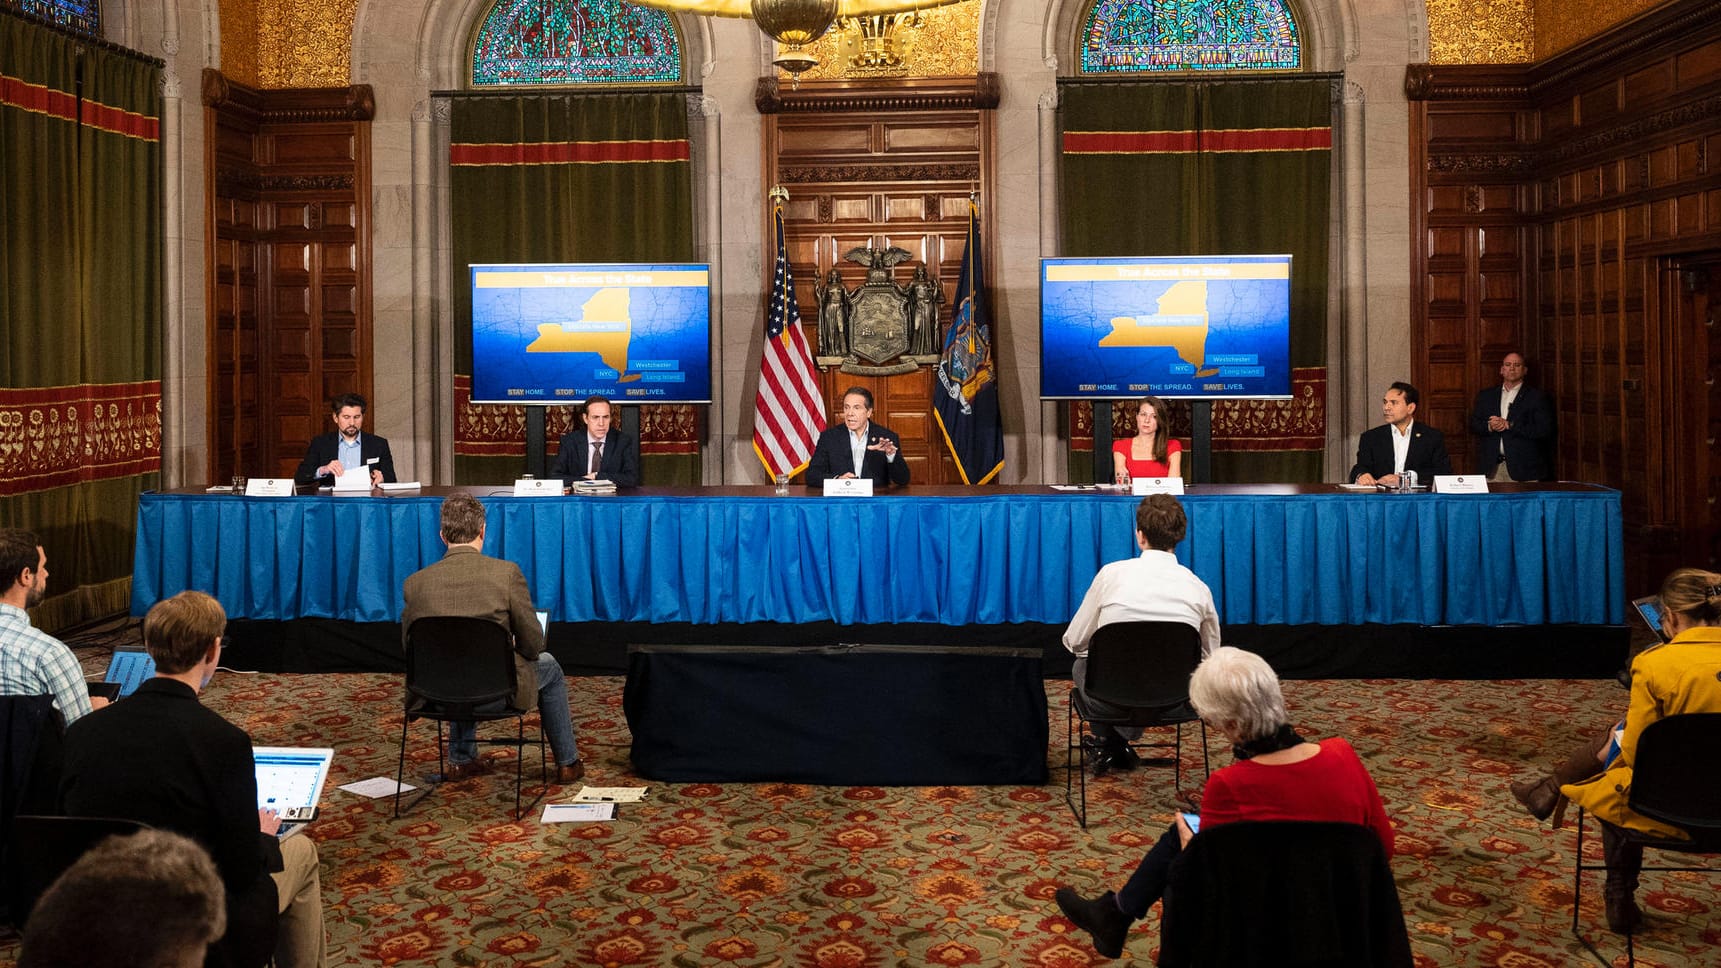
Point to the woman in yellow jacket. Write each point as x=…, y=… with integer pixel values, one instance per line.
x=1681, y=676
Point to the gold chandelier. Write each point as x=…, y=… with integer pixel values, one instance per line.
x=794, y=24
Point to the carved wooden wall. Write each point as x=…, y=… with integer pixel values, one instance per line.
x=886, y=164
x=289, y=290
x=1573, y=208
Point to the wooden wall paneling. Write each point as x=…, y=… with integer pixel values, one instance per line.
x=1613, y=157
x=293, y=168
x=880, y=164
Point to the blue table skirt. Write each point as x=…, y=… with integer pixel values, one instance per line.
x=1330, y=559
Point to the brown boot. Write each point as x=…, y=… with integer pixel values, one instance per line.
x=1541, y=796
x=1624, y=861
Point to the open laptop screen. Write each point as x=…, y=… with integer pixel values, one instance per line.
x=290, y=779
x=129, y=667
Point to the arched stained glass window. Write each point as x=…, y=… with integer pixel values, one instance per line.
x=535, y=42
x=1132, y=36
x=83, y=16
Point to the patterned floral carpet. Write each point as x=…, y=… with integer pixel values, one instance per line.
x=867, y=877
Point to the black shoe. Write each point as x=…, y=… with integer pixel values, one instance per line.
x=1120, y=759
x=1100, y=918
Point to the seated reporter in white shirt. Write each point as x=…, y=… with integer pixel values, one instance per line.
x=1152, y=587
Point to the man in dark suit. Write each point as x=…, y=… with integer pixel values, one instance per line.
x=857, y=447
x=345, y=447
x=1401, y=444
x=469, y=583
x=162, y=758
x=1511, y=424
x=597, y=451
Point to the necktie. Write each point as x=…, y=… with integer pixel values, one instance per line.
x=597, y=456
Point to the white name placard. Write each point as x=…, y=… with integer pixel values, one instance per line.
x=848, y=487
x=1156, y=485
x=1460, y=484
x=538, y=487
x=269, y=487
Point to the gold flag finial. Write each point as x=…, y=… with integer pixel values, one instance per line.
x=778, y=194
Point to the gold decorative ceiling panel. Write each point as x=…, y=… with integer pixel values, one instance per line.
x=1562, y=24
x=305, y=44
x=946, y=43
x=239, y=41
x=1482, y=31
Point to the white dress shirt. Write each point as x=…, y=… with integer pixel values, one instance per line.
x=1400, y=445
x=1507, y=395
x=1150, y=588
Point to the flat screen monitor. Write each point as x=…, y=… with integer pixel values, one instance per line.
x=1201, y=327
x=556, y=334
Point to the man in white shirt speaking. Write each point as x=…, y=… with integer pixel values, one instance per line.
x=1152, y=587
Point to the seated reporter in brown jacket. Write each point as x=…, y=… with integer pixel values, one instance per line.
x=470, y=584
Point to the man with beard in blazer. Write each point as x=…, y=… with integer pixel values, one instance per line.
x=345, y=447
x=597, y=451
x=1511, y=423
x=1401, y=444
x=857, y=447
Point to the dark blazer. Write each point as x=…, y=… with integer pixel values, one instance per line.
x=620, y=463
x=1532, y=420
x=1427, y=454
x=162, y=758
x=327, y=447
x=471, y=584
x=832, y=458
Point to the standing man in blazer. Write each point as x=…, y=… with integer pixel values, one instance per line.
x=1401, y=444
x=858, y=447
x=470, y=584
x=597, y=451
x=1511, y=424
x=345, y=447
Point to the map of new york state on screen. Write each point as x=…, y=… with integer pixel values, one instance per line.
x=557, y=334
x=1188, y=326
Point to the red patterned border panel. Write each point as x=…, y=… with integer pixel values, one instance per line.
x=38, y=98
x=54, y=436
x=1186, y=142
x=1299, y=423
x=569, y=152
x=44, y=100
x=492, y=430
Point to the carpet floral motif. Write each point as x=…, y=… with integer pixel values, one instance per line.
x=753, y=875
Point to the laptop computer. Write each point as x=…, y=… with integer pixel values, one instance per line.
x=290, y=781
x=1648, y=608
x=127, y=670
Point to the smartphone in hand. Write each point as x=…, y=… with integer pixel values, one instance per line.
x=1193, y=820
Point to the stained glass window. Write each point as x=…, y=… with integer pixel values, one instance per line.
x=1131, y=36
x=528, y=42
x=83, y=16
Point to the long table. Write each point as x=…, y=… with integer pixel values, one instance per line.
x=1272, y=554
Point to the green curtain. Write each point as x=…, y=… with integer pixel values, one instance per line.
x=80, y=308
x=1214, y=167
x=509, y=206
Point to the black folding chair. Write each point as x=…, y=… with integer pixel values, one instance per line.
x=41, y=848
x=1142, y=669
x=1673, y=780
x=462, y=669
x=1283, y=893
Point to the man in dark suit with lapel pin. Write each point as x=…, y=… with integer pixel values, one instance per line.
x=857, y=447
x=1511, y=424
x=1401, y=444
x=345, y=447
x=597, y=451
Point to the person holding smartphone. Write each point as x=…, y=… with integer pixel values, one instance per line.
x=1278, y=775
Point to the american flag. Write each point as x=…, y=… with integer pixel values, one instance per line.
x=789, y=412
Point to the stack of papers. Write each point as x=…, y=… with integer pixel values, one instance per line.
x=594, y=487
x=592, y=794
